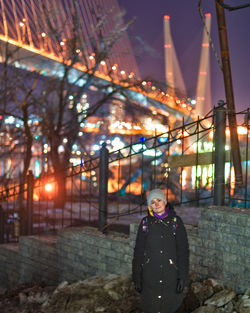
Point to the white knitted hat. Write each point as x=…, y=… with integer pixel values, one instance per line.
x=156, y=194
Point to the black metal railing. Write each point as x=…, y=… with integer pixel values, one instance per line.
x=105, y=190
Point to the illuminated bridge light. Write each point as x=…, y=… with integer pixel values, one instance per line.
x=166, y=17
x=208, y=15
x=163, y=139
x=205, y=45
x=167, y=46
x=242, y=130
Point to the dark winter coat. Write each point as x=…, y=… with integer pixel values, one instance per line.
x=161, y=257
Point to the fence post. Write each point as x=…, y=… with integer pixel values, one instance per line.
x=103, y=187
x=29, y=210
x=1, y=224
x=219, y=156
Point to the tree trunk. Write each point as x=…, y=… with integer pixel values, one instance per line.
x=61, y=191
x=60, y=172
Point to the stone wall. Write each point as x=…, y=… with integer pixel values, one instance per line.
x=9, y=264
x=219, y=248
x=83, y=252
x=38, y=259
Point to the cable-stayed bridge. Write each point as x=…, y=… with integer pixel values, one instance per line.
x=25, y=24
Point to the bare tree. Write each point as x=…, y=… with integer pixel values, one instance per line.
x=55, y=99
x=17, y=87
x=60, y=108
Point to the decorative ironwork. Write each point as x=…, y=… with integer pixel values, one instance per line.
x=175, y=161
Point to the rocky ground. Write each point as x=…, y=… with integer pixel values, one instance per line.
x=115, y=294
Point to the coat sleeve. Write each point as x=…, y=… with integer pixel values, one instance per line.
x=182, y=250
x=138, y=255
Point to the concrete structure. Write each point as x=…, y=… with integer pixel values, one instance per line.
x=219, y=248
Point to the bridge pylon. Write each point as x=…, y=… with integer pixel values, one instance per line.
x=203, y=89
x=173, y=74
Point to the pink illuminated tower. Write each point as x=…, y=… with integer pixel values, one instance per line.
x=173, y=75
x=203, y=92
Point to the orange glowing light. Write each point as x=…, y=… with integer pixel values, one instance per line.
x=241, y=130
x=208, y=14
x=166, y=17
x=48, y=187
x=211, y=135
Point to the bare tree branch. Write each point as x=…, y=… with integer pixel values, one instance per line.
x=232, y=8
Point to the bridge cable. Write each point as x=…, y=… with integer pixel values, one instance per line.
x=209, y=36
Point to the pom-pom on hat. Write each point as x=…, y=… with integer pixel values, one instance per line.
x=156, y=194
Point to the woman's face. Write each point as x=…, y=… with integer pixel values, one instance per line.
x=158, y=206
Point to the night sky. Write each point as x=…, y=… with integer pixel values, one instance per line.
x=187, y=31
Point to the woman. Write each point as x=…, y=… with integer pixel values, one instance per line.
x=161, y=257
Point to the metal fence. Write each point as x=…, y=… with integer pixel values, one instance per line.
x=113, y=186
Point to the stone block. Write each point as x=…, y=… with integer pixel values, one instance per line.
x=237, y=230
x=78, y=259
x=102, y=267
x=127, y=258
x=247, y=231
x=246, y=252
x=133, y=228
